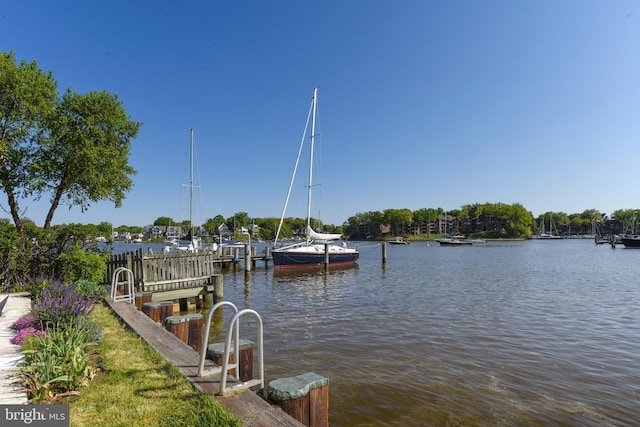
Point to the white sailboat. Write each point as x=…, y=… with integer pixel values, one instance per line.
x=312, y=250
x=549, y=235
x=192, y=243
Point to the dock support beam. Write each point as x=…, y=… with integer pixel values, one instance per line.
x=247, y=257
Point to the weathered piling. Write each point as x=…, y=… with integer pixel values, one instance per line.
x=152, y=309
x=195, y=325
x=304, y=397
x=326, y=255
x=166, y=310
x=247, y=257
x=218, y=289
x=178, y=326
x=384, y=252
x=215, y=352
x=141, y=298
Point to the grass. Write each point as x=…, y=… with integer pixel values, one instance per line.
x=136, y=386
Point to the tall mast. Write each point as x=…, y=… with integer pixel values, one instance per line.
x=313, y=134
x=191, y=187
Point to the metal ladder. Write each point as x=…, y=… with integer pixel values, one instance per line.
x=233, y=338
x=128, y=295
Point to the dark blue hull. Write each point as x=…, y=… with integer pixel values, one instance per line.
x=292, y=259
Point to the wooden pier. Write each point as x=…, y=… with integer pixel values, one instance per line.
x=174, y=276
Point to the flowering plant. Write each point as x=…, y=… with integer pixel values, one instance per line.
x=25, y=322
x=22, y=335
x=61, y=305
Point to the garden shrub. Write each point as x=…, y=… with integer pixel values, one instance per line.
x=90, y=290
x=78, y=264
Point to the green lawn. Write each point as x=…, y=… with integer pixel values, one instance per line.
x=136, y=386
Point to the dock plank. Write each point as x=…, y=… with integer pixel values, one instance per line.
x=252, y=409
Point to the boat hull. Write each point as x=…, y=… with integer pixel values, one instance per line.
x=285, y=258
x=454, y=242
x=631, y=242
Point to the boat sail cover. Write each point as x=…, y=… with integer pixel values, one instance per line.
x=321, y=236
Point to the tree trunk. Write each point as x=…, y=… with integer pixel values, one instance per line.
x=56, y=200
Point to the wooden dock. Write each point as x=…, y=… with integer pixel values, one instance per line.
x=252, y=409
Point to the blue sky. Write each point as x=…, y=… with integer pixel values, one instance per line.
x=422, y=103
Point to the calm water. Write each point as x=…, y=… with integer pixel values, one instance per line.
x=509, y=333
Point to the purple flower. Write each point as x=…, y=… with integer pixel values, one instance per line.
x=25, y=322
x=22, y=335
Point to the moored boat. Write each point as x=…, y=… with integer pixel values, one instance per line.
x=317, y=248
x=398, y=241
x=631, y=241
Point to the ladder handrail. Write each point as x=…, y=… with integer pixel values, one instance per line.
x=233, y=326
x=207, y=328
x=129, y=295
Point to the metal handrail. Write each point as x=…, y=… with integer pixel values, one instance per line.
x=233, y=327
x=129, y=295
x=207, y=328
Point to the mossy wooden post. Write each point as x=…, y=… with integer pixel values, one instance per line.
x=178, y=326
x=304, y=397
x=141, y=298
x=215, y=352
x=152, y=309
x=196, y=325
x=166, y=310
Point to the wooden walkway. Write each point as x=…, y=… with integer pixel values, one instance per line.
x=247, y=405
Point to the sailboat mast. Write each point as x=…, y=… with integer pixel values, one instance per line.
x=313, y=135
x=191, y=186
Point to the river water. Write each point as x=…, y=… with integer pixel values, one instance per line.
x=508, y=333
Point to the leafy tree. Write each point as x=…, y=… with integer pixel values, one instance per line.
x=85, y=158
x=27, y=97
x=211, y=226
x=164, y=221
x=239, y=219
x=105, y=228
x=398, y=218
x=74, y=148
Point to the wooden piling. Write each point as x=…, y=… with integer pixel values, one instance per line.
x=166, y=310
x=178, y=326
x=215, y=352
x=247, y=257
x=326, y=255
x=152, y=309
x=196, y=327
x=304, y=397
x=141, y=298
x=218, y=289
x=384, y=252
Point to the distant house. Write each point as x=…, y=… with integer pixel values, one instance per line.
x=155, y=231
x=223, y=230
x=173, y=232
